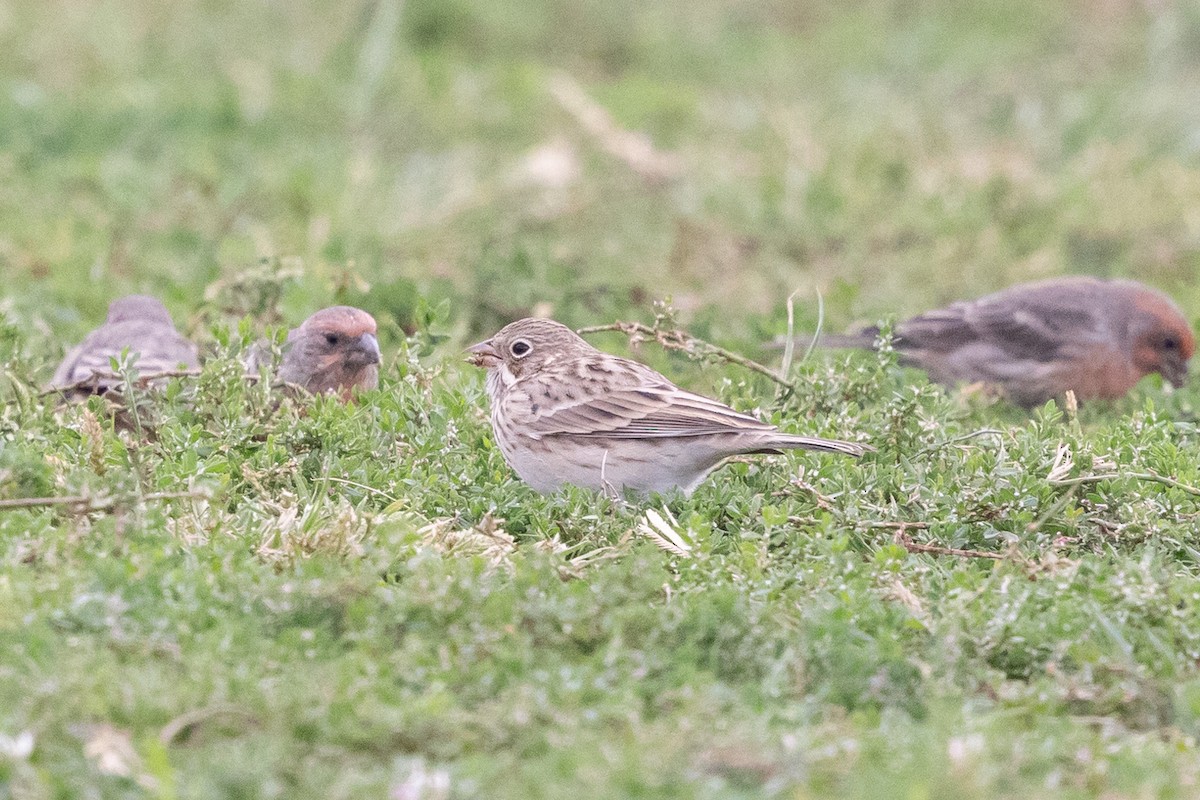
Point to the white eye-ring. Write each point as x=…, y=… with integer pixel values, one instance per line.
x=520, y=348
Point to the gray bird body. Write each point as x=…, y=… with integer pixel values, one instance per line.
x=138, y=324
x=1034, y=341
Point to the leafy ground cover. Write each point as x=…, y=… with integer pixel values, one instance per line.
x=250, y=597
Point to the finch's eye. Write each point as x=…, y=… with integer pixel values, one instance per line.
x=332, y=338
x=1170, y=343
x=520, y=348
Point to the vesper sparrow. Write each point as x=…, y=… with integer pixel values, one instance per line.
x=1035, y=341
x=138, y=323
x=565, y=412
x=333, y=351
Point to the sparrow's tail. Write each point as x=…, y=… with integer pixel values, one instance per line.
x=788, y=441
x=862, y=340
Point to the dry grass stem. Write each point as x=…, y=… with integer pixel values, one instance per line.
x=631, y=148
x=662, y=532
x=676, y=339
x=1151, y=477
x=91, y=503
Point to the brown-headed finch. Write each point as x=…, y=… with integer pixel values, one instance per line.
x=1035, y=341
x=137, y=323
x=332, y=352
x=565, y=412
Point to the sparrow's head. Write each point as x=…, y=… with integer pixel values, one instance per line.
x=334, y=349
x=529, y=345
x=1162, y=340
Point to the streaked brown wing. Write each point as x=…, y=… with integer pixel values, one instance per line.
x=1023, y=326
x=632, y=403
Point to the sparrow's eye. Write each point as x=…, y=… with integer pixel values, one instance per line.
x=520, y=348
x=332, y=338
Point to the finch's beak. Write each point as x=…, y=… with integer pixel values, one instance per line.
x=1175, y=370
x=483, y=354
x=366, y=352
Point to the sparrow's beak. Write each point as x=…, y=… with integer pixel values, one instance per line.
x=367, y=350
x=483, y=354
x=1175, y=369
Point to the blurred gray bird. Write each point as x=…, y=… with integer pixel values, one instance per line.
x=1035, y=341
x=565, y=412
x=137, y=323
x=335, y=351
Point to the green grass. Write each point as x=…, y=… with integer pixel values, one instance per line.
x=364, y=601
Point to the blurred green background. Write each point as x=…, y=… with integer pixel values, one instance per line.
x=890, y=155
x=363, y=600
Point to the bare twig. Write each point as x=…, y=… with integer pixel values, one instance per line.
x=902, y=538
x=97, y=380
x=189, y=720
x=789, y=349
x=824, y=502
x=956, y=439
x=1152, y=477
x=1055, y=507
x=94, y=503
x=363, y=486
x=681, y=340
x=899, y=526
x=816, y=337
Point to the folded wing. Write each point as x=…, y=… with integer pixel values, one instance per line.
x=635, y=403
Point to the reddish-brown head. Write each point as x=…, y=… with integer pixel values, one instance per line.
x=334, y=350
x=1161, y=339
